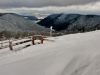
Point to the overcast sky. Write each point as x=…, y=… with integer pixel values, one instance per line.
x=50, y=6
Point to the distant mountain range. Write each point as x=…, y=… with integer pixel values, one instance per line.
x=31, y=18
x=71, y=22
x=39, y=16
x=60, y=22
x=15, y=22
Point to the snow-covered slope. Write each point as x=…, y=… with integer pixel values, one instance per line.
x=75, y=54
x=14, y=22
x=85, y=22
x=72, y=22
x=58, y=21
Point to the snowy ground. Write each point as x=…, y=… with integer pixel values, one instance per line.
x=75, y=54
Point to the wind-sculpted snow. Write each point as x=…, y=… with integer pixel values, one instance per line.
x=75, y=54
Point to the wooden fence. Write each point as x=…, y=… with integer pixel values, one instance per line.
x=32, y=39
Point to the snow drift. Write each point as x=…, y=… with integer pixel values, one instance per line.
x=75, y=54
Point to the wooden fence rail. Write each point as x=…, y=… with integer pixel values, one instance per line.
x=22, y=42
x=32, y=39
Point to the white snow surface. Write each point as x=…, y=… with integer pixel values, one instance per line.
x=75, y=54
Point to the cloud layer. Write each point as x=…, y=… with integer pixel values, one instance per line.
x=41, y=3
x=72, y=7
x=91, y=8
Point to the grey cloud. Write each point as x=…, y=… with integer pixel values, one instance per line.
x=41, y=3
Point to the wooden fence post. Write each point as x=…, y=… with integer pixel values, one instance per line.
x=33, y=40
x=10, y=46
x=41, y=38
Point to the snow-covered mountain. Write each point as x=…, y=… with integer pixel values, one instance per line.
x=30, y=17
x=39, y=16
x=85, y=23
x=72, y=22
x=75, y=54
x=14, y=22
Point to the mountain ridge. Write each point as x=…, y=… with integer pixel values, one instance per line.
x=18, y=23
x=71, y=22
